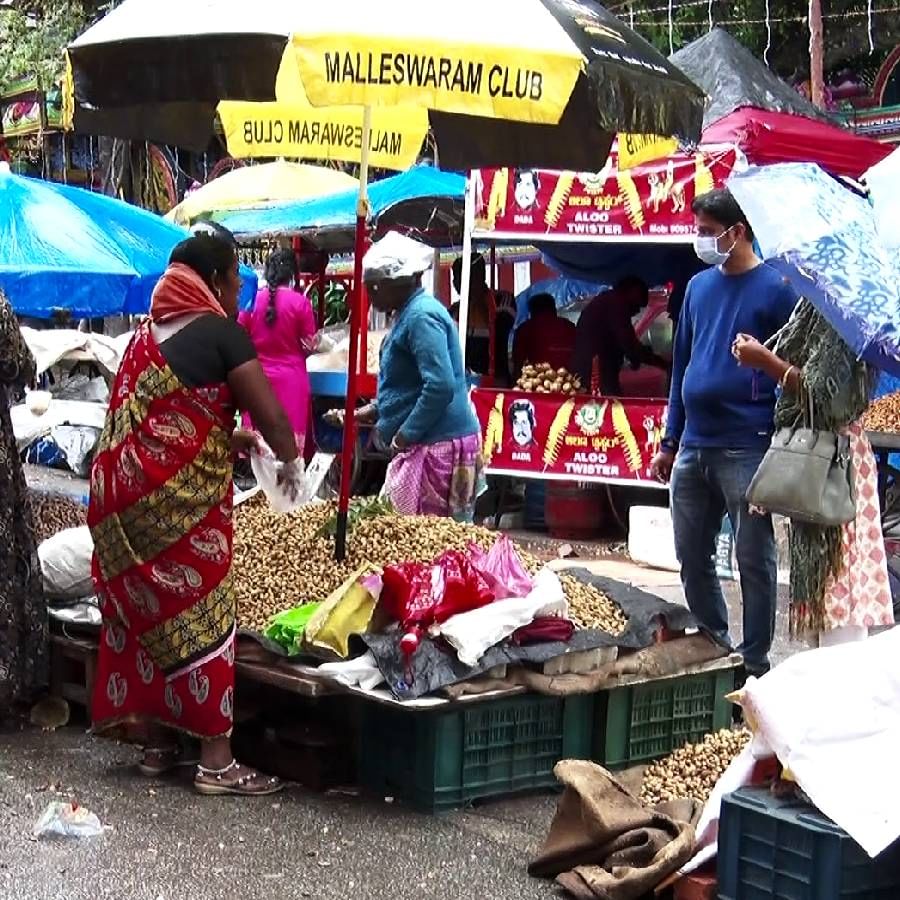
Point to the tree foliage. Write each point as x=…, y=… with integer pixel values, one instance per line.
x=34, y=34
x=783, y=36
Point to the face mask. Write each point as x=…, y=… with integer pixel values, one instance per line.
x=707, y=249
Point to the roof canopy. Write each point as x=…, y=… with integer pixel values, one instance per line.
x=774, y=137
x=733, y=77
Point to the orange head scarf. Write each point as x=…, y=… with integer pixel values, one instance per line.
x=181, y=291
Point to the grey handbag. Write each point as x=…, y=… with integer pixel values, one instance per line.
x=807, y=476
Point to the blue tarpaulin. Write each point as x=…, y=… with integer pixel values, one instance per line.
x=66, y=248
x=421, y=185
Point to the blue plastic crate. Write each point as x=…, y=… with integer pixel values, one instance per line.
x=774, y=848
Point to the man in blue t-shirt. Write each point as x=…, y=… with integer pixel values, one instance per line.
x=720, y=423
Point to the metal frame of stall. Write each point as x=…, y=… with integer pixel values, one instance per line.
x=473, y=235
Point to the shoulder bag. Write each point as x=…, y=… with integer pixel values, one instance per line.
x=806, y=475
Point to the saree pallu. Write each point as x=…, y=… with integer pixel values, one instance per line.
x=161, y=519
x=443, y=479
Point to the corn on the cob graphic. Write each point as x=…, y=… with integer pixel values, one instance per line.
x=632, y=199
x=558, y=198
x=557, y=430
x=703, y=177
x=497, y=201
x=493, y=438
x=622, y=427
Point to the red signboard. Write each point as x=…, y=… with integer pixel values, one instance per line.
x=581, y=438
x=651, y=202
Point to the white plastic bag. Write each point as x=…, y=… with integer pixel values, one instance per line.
x=67, y=820
x=66, y=564
x=473, y=633
x=265, y=469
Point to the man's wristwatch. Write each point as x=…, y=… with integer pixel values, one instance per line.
x=670, y=445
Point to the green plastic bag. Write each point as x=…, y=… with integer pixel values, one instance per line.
x=287, y=628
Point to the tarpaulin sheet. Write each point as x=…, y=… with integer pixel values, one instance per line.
x=427, y=197
x=733, y=77
x=434, y=667
x=66, y=248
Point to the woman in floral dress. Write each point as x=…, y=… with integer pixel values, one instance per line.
x=839, y=578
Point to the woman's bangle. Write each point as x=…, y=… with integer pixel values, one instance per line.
x=787, y=374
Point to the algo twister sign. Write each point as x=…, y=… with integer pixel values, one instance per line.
x=650, y=202
x=581, y=438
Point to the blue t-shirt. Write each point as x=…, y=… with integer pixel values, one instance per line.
x=714, y=402
x=422, y=390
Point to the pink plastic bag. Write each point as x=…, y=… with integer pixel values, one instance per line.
x=502, y=568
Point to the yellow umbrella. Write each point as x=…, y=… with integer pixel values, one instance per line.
x=293, y=127
x=260, y=185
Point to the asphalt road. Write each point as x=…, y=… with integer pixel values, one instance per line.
x=167, y=843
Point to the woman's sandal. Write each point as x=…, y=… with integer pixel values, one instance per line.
x=162, y=760
x=213, y=782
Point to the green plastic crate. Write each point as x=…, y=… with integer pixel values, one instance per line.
x=444, y=759
x=641, y=722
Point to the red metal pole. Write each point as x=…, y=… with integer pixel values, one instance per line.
x=323, y=269
x=348, y=447
x=356, y=303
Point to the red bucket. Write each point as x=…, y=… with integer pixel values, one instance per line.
x=575, y=511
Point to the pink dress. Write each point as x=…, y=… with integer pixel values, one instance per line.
x=281, y=351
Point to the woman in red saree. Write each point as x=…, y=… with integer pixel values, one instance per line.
x=161, y=516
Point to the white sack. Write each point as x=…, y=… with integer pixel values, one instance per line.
x=473, y=633
x=832, y=717
x=66, y=564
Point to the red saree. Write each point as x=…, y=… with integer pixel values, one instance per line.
x=160, y=515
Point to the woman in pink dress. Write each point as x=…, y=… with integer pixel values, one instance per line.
x=282, y=327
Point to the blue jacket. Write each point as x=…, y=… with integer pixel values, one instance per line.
x=714, y=402
x=422, y=391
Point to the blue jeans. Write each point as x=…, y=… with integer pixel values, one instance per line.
x=707, y=483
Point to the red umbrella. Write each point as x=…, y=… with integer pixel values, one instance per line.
x=773, y=137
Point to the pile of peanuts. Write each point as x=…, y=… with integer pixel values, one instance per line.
x=54, y=513
x=691, y=771
x=282, y=561
x=883, y=414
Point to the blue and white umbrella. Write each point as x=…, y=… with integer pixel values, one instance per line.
x=883, y=181
x=826, y=239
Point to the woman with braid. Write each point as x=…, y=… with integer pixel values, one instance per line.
x=283, y=328
x=839, y=577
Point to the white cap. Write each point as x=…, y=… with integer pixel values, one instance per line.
x=397, y=256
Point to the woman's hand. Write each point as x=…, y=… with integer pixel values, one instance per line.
x=290, y=479
x=399, y=443
x=364, y=415
x=749, y=352
x=243, y=441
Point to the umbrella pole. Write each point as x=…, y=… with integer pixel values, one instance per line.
x=349, y=444
x=466, y=274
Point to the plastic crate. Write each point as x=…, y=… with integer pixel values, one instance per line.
x=441, y=760
x=783, y=849
x=638, y=723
